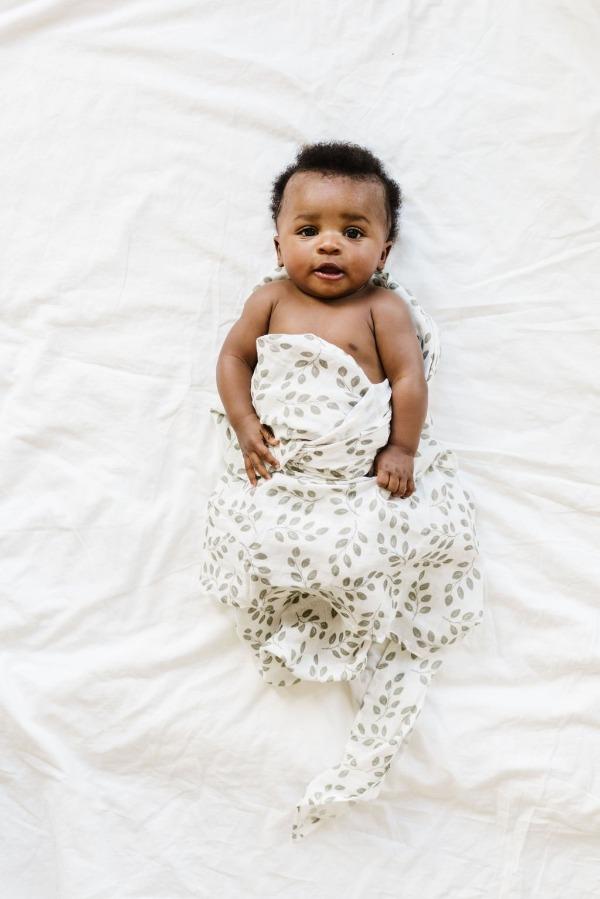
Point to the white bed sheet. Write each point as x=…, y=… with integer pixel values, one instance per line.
x=141, y=755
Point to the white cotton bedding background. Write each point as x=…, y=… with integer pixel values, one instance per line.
x=141, y=756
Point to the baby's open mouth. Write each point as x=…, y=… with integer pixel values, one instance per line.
x=330, y=271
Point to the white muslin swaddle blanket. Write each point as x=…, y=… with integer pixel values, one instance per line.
x=330, y=577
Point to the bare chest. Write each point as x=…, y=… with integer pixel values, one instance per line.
x=348, y=328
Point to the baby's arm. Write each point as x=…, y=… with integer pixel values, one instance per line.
x=235, y=365
x=402, y=360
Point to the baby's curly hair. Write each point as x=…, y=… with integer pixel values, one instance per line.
x=341, y=158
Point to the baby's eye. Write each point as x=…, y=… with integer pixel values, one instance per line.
x=356, y=230
x=306, y=228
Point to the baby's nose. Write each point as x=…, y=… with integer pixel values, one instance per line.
x=329, y=245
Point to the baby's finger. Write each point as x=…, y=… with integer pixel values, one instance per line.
x=259, y=466
x=271, y=438
x=382, y=479
x=250, y=471
x=393, y=483
x=268, y=434
x=268, y=457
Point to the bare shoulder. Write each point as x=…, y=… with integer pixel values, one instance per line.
x=271, y=289
x=389, y=310
x=252, y=323
x=260, y=302
x=264, y=297
x=395, y=336
x=266, y=288
x=262, y=294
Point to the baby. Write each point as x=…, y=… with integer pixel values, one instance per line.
x=335, y=210
x=330, y=576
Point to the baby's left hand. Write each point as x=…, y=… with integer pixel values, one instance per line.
x=394, y=470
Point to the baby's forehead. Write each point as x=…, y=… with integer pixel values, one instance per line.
x=316, y=190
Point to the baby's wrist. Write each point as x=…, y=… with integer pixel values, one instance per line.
x=237, y=420
x=405, y=450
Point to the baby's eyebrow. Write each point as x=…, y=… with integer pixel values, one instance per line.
x=346, y=215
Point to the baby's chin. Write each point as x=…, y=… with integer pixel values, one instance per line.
x=324, y=289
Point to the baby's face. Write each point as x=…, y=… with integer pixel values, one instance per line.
x=331, y=221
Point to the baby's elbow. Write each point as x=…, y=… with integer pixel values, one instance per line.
x=414, y=379
x=230, y=357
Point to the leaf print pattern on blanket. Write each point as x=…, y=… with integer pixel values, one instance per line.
x=329, y=577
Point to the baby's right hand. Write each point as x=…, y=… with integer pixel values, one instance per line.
x=253, y=438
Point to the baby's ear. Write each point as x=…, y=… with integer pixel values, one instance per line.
x=385, y=252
